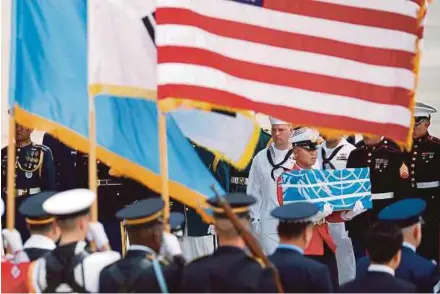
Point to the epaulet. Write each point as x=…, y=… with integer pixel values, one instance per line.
x=434, y=139
x=258, y=260
x=40, y=146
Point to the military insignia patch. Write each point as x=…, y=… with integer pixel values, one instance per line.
x=28, y=174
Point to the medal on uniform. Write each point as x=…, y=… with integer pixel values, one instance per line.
x=28, y=175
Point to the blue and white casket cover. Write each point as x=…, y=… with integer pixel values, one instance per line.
x=340, y=188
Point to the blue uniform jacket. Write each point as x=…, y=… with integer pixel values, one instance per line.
x=413, y=268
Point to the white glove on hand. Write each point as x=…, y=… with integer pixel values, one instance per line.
x=357, y=209
x=170, y=245
x=211, y=230
x=12, y=240
x=326, y=211
x=97, y=234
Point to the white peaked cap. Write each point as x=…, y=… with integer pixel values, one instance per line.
x=275, y=121
x=304, y=135
x=422, y=109
x=69, y=202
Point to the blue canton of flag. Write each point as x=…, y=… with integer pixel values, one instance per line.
x=340, y=188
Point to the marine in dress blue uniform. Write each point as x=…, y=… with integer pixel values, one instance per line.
x=384, y=243
x=387, y=184
x=229, y=269
x=141, y=270
x=423, y=162
x=299, y=274
x=44, y=231
x=34, y=172
x=413, y=267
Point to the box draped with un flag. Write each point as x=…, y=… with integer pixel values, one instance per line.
x=340, y=188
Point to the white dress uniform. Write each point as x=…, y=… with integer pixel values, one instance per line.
x=70, y=267
x=263, y=186
x=85, y=273
x=336, y=158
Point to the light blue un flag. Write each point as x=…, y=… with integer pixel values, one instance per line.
x=340, y=188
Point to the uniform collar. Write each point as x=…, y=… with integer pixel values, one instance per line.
x=341, y=143
x=291, y=247
x=40, y=242
x=24, y=143
x=423, y=138
x=409, y=246
x=381, y=268
x=142, y=248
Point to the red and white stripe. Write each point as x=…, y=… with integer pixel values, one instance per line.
x=337, y=64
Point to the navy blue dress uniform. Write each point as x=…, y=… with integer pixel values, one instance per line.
x=34, y=172
x=413, y=267
x=229, y=269
x=239, y=178
x=387, y=185
x=220, y=169
x=141, y=270
x=423, y=162
x=70, y=267
x=32, y=209
x=378, y=280
x=298, y=273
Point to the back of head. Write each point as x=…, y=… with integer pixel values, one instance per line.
x=384, y=242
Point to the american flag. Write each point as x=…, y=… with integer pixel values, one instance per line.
x=346, y=65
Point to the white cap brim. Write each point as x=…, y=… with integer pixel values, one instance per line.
x=422, y=109
x=275, y=121
x=69, y=202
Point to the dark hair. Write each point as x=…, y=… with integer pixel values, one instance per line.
x=384, y=240
x=291, y=230
x=40, y=229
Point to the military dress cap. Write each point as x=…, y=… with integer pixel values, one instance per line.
x=70, y=203
x=142, y=213
x=239, y=203
x=275, y=121
x=301, y=212
x=423, y=110
x=305, y=138
x=32, y=209
x=404, y=213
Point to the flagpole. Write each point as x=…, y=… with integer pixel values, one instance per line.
x=163, y=153
x=92, y=158
x=10, y=196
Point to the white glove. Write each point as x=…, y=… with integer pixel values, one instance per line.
x=357, y=209
x=12, y=240
x=97, y=234
x=326, y=211
x=170, y=245
x=211, y=230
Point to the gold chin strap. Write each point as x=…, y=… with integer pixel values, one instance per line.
x=234, y=210
x=40, y=221
x=143, y=220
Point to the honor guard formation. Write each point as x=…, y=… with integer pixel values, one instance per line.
x=258, y=241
